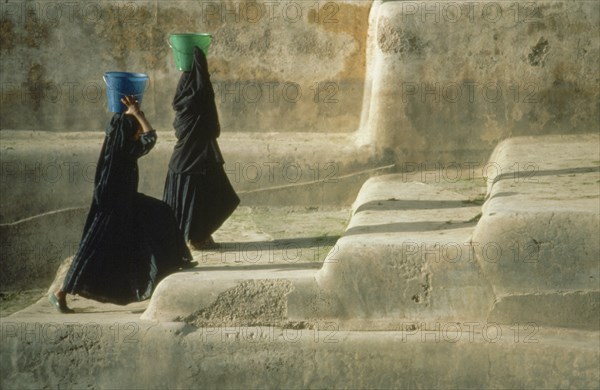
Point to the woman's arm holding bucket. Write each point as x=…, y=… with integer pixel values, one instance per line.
x=145, y=138
x=134, y=110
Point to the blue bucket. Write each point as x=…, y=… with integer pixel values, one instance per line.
x=120, y=84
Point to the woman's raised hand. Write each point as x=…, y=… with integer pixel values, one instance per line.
x=134, y=109
x=132, y=105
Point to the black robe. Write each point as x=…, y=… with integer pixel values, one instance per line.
x=197, y=187
x=130, y=241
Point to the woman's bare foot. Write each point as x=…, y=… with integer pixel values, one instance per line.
x=59, y=301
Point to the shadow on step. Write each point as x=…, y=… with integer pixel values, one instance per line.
x=280, y=243
x=531, y=174
x=405, y=204
x=253, y=267
x=400, y=227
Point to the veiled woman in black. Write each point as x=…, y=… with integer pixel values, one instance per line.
x=130, y=241
x=197, y=187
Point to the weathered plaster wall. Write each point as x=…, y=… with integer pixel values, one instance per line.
x=448, y=80
x=276, y=65
x=421, y=82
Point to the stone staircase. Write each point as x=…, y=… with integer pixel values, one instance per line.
x=422, y=290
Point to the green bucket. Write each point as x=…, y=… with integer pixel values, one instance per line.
x=183, y=48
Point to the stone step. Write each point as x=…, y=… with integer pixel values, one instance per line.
x=538, y=234
x=122, y=352
x=253, y=294
x=406, y=256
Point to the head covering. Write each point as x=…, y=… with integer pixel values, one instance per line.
x=194, y=101
x=196, y=121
